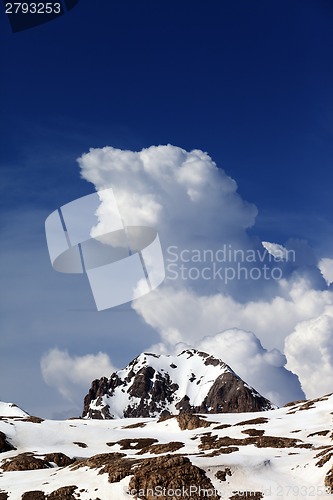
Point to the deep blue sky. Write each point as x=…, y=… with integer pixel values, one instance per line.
x=250, y=82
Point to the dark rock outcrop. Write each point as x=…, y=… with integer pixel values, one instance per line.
x=63, y=493
x=4, y=444
x=229, y=394
x=188, y=421
x=24, y=461
x=33, y=495
x=168, y=474
x=60, y=459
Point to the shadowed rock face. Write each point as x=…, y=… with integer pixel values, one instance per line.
x=152, y=384
x=4, y=444
x=229, y=394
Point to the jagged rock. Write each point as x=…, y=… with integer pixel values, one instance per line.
x=33, y=495
x=63, y=493
x=157, y=449
x=113, y=464
x=325, y=455
x=209, y=441
x=4, y=444
x=33, y=419
x=154, y=384
x=165, y=415
x=254, y=432
x=60, y=459
x=221, y=475
x=319, y=433
x=24, y=461
x=187, y=421
x=170, y=473
x=3, y=495
x=230, y=395
x=329, y=480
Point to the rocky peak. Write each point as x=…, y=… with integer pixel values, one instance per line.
x=192, y=381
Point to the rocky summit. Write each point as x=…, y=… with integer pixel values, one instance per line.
x=151, y=385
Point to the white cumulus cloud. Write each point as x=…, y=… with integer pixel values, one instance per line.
x=326, y=268
x=265, y=370
x=71, y=375
x=183, y=315
x=309, y=350
x=195, y=206
x=183, y=193
x=243, y=352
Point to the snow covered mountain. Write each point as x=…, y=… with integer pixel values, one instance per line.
x=286, y=453
x=11, y=410
x=192, y=381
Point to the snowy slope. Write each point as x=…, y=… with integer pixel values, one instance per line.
x=11, y=410
x=283, y=453
x=152, y=383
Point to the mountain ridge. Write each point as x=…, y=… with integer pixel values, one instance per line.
x=192, y=381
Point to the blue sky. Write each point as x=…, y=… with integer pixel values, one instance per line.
x=251, y=83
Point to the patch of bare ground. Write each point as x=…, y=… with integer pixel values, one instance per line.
x=33, y=495
x=329, y=480
x=319, y=433
x=113, y=464
x=222, y=451
x=305, y=404
x=3, y=495
x=134, y=444
x=254, y=421
x=188, y=421
x=157, y=449
x=311, y=403
x=32, y=419
x=294, y=403
x=135, y=426
x=221, y=475
x=254, y=432
x=170, y=472
x=210, y=442
x=80, y=444
x=63, y=493
x=325, y=455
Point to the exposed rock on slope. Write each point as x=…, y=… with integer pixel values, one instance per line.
x=226, y=455
x=193, y=382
